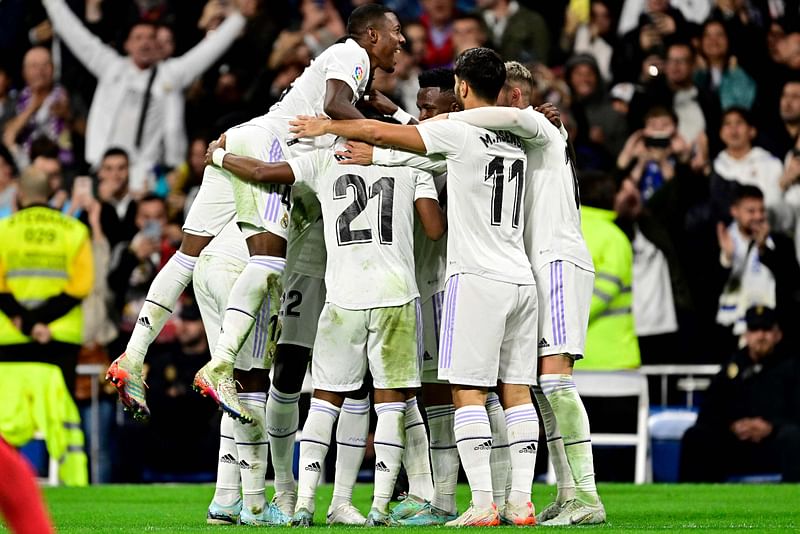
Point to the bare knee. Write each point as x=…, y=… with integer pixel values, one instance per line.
x=556, y=364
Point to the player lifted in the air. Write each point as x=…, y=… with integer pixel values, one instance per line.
x=487, y=269
x=371, y=314
x=565, y=280
x=332, y=84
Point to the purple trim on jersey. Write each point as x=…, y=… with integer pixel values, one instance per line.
x=448, y=322
x=275, y=151
x=561, y=302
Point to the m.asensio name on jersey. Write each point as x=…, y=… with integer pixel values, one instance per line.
x=501, y=137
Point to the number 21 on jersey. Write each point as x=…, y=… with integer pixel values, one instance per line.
x=496, y=171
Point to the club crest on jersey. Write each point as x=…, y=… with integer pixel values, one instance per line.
x=358, y=73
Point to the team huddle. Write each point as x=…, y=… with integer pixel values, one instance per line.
x=443, y=255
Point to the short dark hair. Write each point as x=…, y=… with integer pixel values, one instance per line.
x=660, y=111
x=747, y=191
x=152, y=197
x=44, y=147
x=483, y=70
x=442, y=78
x=742, y=112
x=473, y=17
x=115, y=151
x=365, y=16
x=598, y=189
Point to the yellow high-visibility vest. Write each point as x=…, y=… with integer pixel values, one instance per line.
x=44, y=253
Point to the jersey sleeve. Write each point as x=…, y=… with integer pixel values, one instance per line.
x=349, y=64
x=443, y=137
x=308, y=168
x=424, y=186
x=393, y=157
x=528, y=124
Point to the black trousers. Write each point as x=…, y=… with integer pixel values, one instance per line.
x=713, y=454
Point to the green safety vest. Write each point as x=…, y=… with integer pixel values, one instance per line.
x=38, y=248
x=611, y=341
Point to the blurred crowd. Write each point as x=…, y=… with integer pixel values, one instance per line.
x=693, y=106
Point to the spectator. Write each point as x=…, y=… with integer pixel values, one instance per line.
x=49, y=164
x=783, y=134
x=46, y=269
x=321, y=26
x=184, y=181
x=517, y=33
x=744, y=163
x=118, y=205
x=469, y=31
x=599, y=124
x=596, y=37
x=43, y=110
x=761, y=266
x=135, y=263
x=749, y=422
x=8, y=183
x=437, y=18
x=654, y=155
x=611, y=337
x=417, y=39
x=165, y=42
x=722, y=74
x=143, y=95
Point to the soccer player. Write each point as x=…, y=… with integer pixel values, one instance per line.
x=369, y=215
x=565, y=279
x=333, y=83
x=487, y=269
x=243, y=449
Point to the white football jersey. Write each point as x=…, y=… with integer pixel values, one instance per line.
x=347, y=62
x=305, y=249
x=368, y=215
x=552, y=200
x=229, y=243
x=485, y=190
x=429, y=256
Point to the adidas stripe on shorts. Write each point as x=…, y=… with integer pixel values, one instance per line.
x=565, y=297
x=488, y=332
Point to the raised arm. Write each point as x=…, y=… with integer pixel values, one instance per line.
x=514, y=120
x=197, y=60
x=88, y=48
x=368, y=130
x=247, y=168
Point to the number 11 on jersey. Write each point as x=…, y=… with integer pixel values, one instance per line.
x=496, y=171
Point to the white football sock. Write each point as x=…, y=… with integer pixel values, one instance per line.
x=227, y=490
x=351, y=444
x=499, y=459
x=416, y=458
x=555, y=448
x=245, y=300
x=283, y=417
x=164, y=291
x=474, y=440
x=444, y=456
x=313, y=449
x=523, y=438
x=252, y=444
x=390, y=437
x=573, y=421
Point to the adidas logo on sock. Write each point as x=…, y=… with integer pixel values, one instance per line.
x=145, y=322
x=543, y=344
x=228, y=459
x=244, y=465
x=314, y=467
x=530, y=449
x=486, y=445
x=380, y=466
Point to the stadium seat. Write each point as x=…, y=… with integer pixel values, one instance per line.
x=605, y=384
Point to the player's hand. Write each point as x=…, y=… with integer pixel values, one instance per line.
x=725, y=241
x=356, y=153
x=306, y=126
x=41, y=333
x=759, y=429
x=212, y=146
x=551, y=113
x=380, y=102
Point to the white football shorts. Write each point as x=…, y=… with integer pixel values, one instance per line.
x=383, y=339
x=565, y=297
x=488, y=332
x=431, y=328
x=214, y=277
x=223, y=196
x=301, y=305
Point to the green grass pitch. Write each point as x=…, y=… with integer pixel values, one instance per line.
x=182, y=508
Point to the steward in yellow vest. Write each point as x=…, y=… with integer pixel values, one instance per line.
x=45, y=271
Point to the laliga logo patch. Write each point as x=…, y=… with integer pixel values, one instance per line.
x=358, y=73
